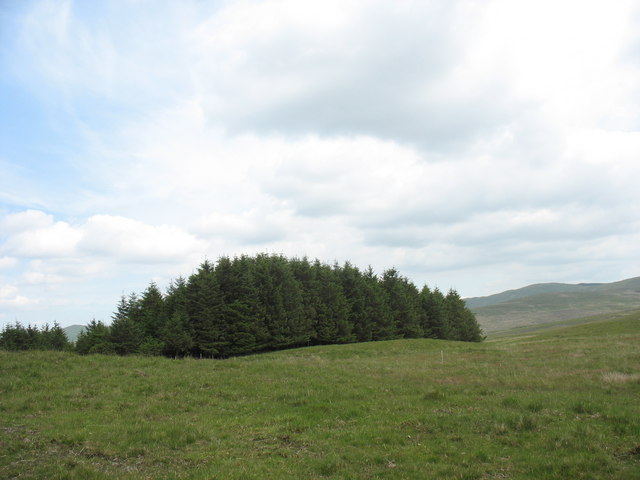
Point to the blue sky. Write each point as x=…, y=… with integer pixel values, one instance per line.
x=475, y=145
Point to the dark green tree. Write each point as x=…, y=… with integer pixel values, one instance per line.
x=248, y=304
x=204, y=305
x=377, y=307
x=95, y=339
x=280, y=295
x=152, y=311
x=126, y=335
x=54, y=338
x=176, y=335
x=176, y=297
x=15, y=338
x=332, y=309
x=243, y=314
x=433, y=302
x=462, y=321
x=402, y=298
x=355, y=290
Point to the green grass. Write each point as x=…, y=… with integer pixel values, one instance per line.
x=554, y=325
x=556, y=404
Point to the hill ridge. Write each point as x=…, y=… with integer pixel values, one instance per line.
x=549, y=302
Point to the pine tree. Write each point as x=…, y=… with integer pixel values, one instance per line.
x=377, y=307
x=126, y=335
x=15, y=338
x=176, y=336
x=455, y=311
x=471, y=330
x=354, y=287
x=242, y=313
x=176, y=297
x=152, y=311
x=204, y=305
x=54, y=338
x=332, y=321
x=249, y=304
x=280, y=295
x=305, y=276
x=402, y=297
x=95, y=339
x=434, y=304
x=463, y=322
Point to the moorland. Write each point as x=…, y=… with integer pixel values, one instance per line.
x=551, y=402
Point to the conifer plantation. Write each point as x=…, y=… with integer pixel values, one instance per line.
x=245, y=304
x=17, y=337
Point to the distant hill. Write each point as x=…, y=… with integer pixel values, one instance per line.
x=551, y=302
x=529, y=291
x=72, y=332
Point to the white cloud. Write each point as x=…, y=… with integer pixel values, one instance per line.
x=8, y=262
x=128, y=240
x=472, y=139
x=9, y=297
x=39, y=236
x=23, y=221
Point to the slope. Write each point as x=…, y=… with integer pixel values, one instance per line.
x=543, y=303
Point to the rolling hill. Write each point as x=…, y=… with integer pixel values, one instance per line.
x=552, y=302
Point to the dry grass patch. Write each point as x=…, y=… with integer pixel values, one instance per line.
x=618, y=377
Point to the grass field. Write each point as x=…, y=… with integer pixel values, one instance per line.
x=556, y=404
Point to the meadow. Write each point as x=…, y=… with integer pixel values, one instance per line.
x=553, y=404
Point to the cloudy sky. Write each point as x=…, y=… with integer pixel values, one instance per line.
x=480, y=145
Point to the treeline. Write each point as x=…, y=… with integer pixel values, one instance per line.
x=17, y=337
x=249, y=304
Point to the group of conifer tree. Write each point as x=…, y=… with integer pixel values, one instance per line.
x=17, y=337
x=267, y=302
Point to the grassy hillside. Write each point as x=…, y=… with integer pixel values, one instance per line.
x=545, y=303
x=528, y=291
x=548, y=327
x=556, y=404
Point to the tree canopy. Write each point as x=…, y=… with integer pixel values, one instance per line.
x=248, y=304
x=18, y=337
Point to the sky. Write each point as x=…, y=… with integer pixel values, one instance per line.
x=476, y=145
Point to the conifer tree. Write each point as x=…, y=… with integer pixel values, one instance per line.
x=176, y=336
x=377, y=307
x=243, y=313
x=402, y=298
x=354, y=287
x=433, y=303
x=126, y=335
x=176, y=297
x=15, y=338
x=95, y=339
x=204, y=305
x=332, y=309
x=249, y=304
x=463, y=325
x=54, y=338
x=305, y=276
x=281, y=296
x=152, y=311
